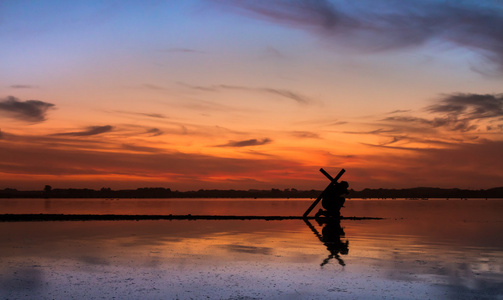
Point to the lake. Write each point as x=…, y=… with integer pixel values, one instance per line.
x=436, y=249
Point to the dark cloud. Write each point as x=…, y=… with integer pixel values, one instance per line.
x=453, y=119
x=470, y=106
x=30, y=110
x=92, y=130
x=381, y=25
x=449, y=122
x=247, y=143
x=154, y=132
x=456, y=112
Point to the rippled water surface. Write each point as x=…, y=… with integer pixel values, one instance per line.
x=437, y=249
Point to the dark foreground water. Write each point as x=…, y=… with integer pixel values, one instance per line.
x=423, y=249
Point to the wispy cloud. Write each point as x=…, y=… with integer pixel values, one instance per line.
x=291, y=95
x=137, y=148
x=471, y=165
x=154, y=87
x=448, y=122
x=305, y=134
x=92, y=130
x=154, y=132
x=129, y=165
x=271, y=53
x=150, y=115
x=453, y=119
x=458, y=112
x=381, y=25
x=182, y=50
x=30, y=111
x=322, y=122
x=470, y=106
x=279, y=92
x=23, y=86
x=246, y=143
x=376, y=131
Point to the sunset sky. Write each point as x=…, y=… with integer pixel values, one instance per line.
x=251, y=94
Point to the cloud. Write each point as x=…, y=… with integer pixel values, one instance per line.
x=381, y=25
x=182, y=50
x=31, y=110
x=153, y=87
x=376, y=131
x=450, y=122
x=22, y=86
x=92, y=130
x=287, y=94
x=153, y=115
x=246, y=143
x=150, y=115
x=35, y=160
x=305, y=134
x=271, y=53
x=470, y=165
x=279, y=92
x=399, y=111
x=75, y=162
x=453, y=119
x=136, y=148
x=470, y=106
x=154, y=132
x=459, y=112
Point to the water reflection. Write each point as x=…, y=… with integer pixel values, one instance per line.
x=421, y=249
x=330, y=236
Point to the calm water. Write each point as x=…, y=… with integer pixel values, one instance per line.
x=436, y=249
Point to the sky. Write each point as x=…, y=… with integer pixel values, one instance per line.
x=251, y=94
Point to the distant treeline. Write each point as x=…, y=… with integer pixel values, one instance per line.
x=419, y=193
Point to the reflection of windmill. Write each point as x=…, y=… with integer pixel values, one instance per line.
x=331, y=237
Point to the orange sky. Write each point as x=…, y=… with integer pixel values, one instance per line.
x=251, y=94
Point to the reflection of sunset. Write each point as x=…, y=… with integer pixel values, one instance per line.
x=403, y=258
